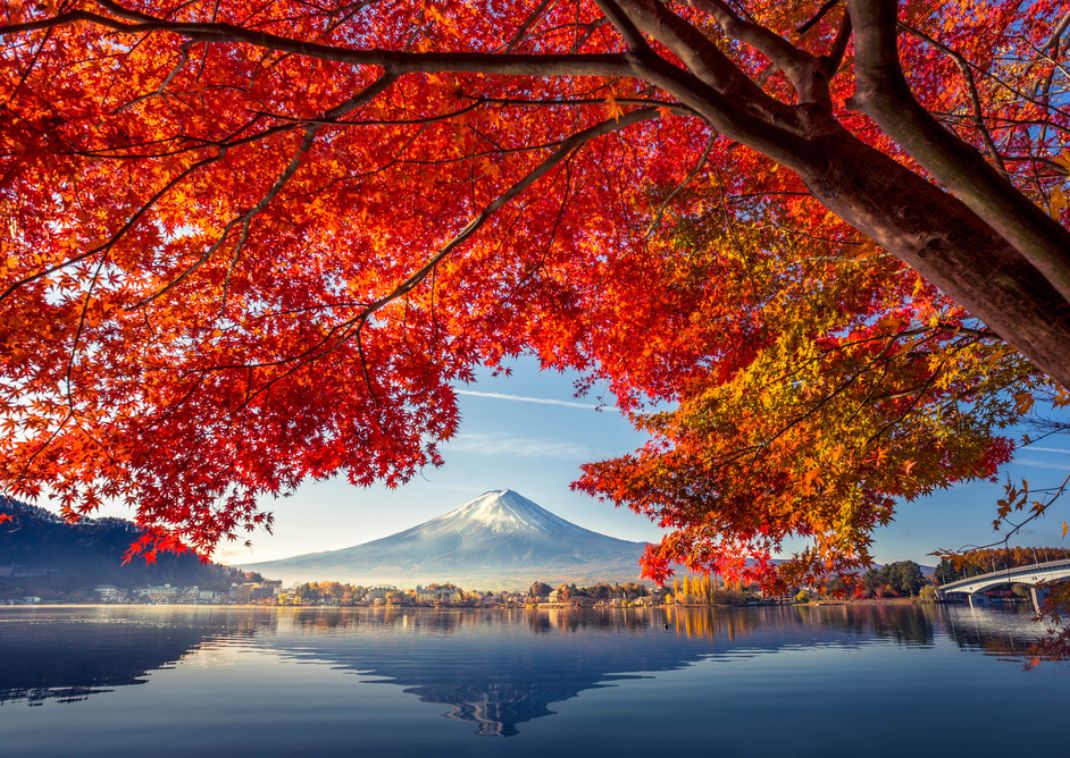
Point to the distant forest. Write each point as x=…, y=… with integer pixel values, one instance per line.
x=85, y=554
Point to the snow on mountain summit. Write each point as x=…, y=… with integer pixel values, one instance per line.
x=503, y=511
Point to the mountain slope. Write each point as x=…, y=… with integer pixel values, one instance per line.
x=498, y=540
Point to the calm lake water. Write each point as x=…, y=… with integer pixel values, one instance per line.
x=856, y=681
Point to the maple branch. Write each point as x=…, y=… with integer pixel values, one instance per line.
x=107, y=244
x=354, y=325
x=589, y=31
x=665, y=105
x=325, y=121
x=183, y=58
x=703, y=58
x=679, y=187
x=813, y=21
x=230, y=140
x=884, y=94
x=830, y=62
x=971, y=88
x=715, y=87
x=919, y=394
x=1038, y=510
x=245, y=219
x=42, y=447
x=801, y=68
x=624, y=25
x=566, y=148
x=1057, y=33
x=69, y=371
x=533, y=18
x=394, y=61
x=759, y=122
x=34, y=58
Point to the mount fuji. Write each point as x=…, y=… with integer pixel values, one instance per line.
x=499, y=540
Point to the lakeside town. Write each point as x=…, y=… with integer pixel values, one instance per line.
x=903, y=580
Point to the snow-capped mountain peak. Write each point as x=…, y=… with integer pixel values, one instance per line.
x=502, y=511
x=499, y=539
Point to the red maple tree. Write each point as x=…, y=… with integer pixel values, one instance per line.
x=246, y=244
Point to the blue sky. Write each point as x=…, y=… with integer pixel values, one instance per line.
x=507, y=440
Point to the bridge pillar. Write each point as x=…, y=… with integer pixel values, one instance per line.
x=1039, y=595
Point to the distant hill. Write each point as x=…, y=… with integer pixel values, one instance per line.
x=78, y=557
x=499, y=540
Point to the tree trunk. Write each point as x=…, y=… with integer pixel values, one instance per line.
x=946, y=243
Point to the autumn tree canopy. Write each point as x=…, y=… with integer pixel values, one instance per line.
x=250, y=243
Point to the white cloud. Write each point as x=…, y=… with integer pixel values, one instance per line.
x=538, y=400
x=524, y=447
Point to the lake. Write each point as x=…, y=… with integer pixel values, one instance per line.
x=766, y=681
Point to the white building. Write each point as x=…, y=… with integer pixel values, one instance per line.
x=109, y=593
x=379, y=593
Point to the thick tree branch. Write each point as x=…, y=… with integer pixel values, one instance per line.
x=715, y=87
x=947, y=243
x=395, y=61
x=702, y=57
x=632, y=37
x=884, y=94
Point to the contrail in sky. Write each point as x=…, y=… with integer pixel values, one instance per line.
x=538, y=400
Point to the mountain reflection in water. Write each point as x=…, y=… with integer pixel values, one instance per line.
x=497, y=669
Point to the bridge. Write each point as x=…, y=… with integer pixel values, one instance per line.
x=1033, y=575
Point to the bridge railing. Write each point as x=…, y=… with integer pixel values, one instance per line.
x=1009, y=572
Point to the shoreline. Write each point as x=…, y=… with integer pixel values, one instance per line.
x=897, y=601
